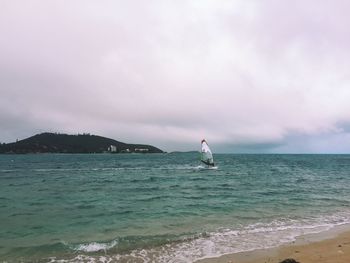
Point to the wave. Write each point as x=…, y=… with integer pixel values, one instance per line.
x=126, y=168
x=192, y=247
x=8, y=170
x=94, y=246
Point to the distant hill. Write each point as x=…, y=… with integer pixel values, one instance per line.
x=81, y=143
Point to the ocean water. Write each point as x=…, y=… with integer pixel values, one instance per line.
x=164, y=207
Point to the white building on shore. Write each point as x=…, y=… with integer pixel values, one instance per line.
x=112, y=148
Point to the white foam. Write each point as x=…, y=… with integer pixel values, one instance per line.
x=201, y=167
x=94, y=246
x=223, y=241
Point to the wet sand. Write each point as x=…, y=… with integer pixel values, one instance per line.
x=329, y=247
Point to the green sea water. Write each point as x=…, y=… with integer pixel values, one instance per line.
x=164, y=207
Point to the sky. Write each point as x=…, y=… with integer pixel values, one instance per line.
x=250, y=76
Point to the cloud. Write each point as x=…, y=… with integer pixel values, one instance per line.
x=169, y=73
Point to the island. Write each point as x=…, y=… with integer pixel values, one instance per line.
x=66, y=143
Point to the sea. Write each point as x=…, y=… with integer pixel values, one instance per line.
x=164, y=207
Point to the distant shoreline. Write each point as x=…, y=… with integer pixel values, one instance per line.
x=75, y=153
x=80, y=143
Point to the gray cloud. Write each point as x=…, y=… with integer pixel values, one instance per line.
x=169, y=73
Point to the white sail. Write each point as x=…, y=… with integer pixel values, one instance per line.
x=206, y=155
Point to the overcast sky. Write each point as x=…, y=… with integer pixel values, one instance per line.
x=249, y=76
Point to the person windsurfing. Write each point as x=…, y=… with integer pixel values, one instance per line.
x=206, y=154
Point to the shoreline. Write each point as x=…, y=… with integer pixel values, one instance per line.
x=329, y=246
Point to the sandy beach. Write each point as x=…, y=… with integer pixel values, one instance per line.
x=329, y=247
